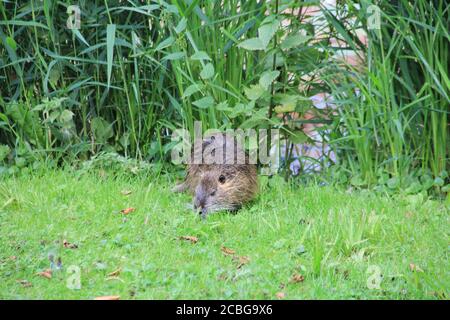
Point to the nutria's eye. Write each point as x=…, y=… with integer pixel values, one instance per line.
x=212, y=194
x=222, y=179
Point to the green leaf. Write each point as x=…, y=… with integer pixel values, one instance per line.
x=298, y=137
x=303, y=104
x=393, y=183
x=80, y=36
x=101, y=129
x=207, y=72
x=204, y=103
x=193, y=88
x=291, y=103
x=23, y=23
x=294, y=41
x=257, y=118
x=357, y=181
x=287, y=103
x=53, y=116
x=241, y=108
x=223, y=106
x=66, y=116
x=267, y=31
x=200, y=55
x=174, y=56
x=125, y=140
x=11, y=43
x=252, y=44
x=20, y=162
x=4, y=151
x=254, y=92
x=165, y=43
x=439, y=182
x=181, y=25
x=267, y=78
x=54, y=76
x=110, y=39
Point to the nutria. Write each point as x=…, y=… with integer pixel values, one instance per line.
x=220, y=182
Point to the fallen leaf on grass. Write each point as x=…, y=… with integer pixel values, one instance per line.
x=12, y=258
x=125, y=192
x=127, y=210
x=107, y=298
x=280, y=295
x=296, y=278
x=46, y=274
x=228, y=251
x=414, y=267
x=69, y=245
x=115, y=273
x=25, y=283
x=241, y=261
x=189, y=238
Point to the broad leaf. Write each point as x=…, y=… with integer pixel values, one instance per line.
x=66, y=116
x=207, y=72
x=298, y=137
x=200, y=55
x=254, y=92
x=193, y=88
x=166, y=43
x=11, y=43
x=101, y=129
x=267, y=31
x=294, y=41
x=204, y=103
x=252, y=44
x=223, y=106
x=174, y=56
x=267, y=78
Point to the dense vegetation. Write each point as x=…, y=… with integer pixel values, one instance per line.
x=137, y=70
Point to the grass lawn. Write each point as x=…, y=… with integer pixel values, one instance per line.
x=297, y=243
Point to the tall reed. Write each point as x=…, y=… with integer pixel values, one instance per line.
x=395, y=113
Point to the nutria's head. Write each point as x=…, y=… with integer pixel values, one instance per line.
x=224, y=188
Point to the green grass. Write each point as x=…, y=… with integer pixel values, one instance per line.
x=331, y=237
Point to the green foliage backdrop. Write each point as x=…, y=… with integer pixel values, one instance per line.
x=136, y=70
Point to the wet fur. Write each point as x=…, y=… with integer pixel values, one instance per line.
x=241, y=180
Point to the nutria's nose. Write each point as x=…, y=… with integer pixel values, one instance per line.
x=199, y=203
x=200, y=199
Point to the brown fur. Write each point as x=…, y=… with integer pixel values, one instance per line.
x=220, y=186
